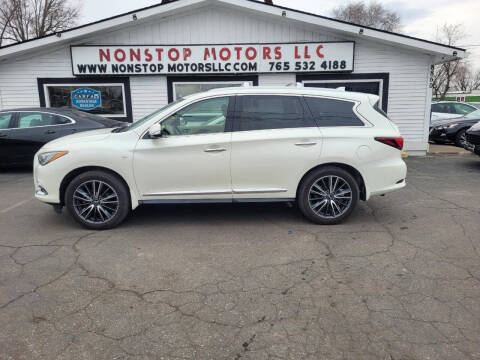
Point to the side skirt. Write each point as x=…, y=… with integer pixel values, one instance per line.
x=214, y=201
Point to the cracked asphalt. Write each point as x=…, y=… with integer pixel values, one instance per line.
x=399, y=281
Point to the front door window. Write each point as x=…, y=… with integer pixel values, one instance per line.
x=203, y=117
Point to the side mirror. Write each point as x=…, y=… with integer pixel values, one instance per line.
x=155, y=131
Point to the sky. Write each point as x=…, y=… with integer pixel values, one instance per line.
x=419, y=18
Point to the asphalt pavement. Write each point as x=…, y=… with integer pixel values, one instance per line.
x=400, y=280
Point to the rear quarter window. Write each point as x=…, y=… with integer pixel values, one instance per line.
x=332, y=112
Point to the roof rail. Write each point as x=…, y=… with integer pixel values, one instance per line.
x=297, y=84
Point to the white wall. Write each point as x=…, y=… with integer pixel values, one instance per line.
x=149, y=93
x=276, y=79
x=409, y=71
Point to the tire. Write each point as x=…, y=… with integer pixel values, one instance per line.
x=97, y=200
x=460, y=138
x=312, y=204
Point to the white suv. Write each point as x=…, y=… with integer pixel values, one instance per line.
x=324, y=149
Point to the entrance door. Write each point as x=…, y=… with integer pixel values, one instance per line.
x=192, y=158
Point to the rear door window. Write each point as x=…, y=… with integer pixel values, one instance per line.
x=262, y=112
x=36, y=119
x=5, y=120
x=333, y=112
x=443, y=108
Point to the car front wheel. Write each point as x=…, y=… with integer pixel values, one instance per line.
x=97, y=200
x=328, y=195
x=461, y=138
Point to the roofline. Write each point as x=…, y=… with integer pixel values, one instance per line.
x=357, y=25
x=87, y=24
x=348, y=27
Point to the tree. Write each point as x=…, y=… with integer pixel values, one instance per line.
x=466, y=79
x=6, y=14
x=444, y=74
x=372, y=15
x=21, y=20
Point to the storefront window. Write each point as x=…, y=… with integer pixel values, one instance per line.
x=182, y=89
x=373, y=86
x=103, y=99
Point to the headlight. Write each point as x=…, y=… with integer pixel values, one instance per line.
x=452, y=126
x=48, y=157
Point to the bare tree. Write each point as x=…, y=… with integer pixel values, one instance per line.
x=444, y=74
x=373, y=15
x=465, y=79
x=6, y=14
x=25, y=19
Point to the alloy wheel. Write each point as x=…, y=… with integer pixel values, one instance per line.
x=95, y=201
x=330, y=196
x=463, y=138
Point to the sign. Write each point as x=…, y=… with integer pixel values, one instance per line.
x=213, y=59
x=86, y=99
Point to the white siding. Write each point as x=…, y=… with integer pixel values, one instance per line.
x=276, y=79
x=149, y=93
x=409, y=70
x=18, y=78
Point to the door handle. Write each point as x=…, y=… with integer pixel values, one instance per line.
x=3, y=135
x=215, y=150
x=50, y=132
x=307, y=143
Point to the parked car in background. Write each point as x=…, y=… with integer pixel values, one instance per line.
x=325, y=149
x=454, y=130
x=24, y=131
x=473, y=139
x=445, y=110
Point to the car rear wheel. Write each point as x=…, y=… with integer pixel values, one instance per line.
x=97, y=200
x=461, y=138
x=328, y=195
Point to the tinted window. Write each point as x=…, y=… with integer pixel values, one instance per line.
x=5, y=120
x=29, y=119
x=331, y=112
x=443, y=108
x=263, y=112
x=203, y=117
x=111, y=101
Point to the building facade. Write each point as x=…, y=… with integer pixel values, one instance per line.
x=127, y=66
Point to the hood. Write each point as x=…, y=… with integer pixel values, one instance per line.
x=475, y=127
x=438, y=122
x=84, y=136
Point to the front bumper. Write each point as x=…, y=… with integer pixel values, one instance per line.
x=439, y=135
x=46, y=182
x=472, y=147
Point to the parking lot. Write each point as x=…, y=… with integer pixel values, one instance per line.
x=399, y=281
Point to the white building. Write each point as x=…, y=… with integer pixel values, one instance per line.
x=129, y=65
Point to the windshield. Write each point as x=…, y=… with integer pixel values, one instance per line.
x=474, y=115
x=148, y=117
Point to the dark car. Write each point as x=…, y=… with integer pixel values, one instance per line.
x=454, y=130
x=24, y=131
x=473, y=139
